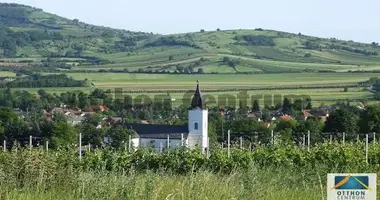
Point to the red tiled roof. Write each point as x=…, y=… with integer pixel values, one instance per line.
x=286, y=117
x=266, y=124
x=98, y=107
x=306, y=113
x=144, y=122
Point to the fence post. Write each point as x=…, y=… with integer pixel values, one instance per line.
x=308, y=140
x=89, y=147
x=241, y=142
x=30, y=142
x=80, y=146
x=208, y=148
x=374, y=138
x=366, y=148
x=272, y=136
x=330, y=139
x=182, y=140
x=250, y=146
x=168, y=142
x=229, y=143
x=161, y=147
x=5, y=146
x=129, y=143
x=344, y=137
x=357, y=138
x=304, y=140
x=47, y=146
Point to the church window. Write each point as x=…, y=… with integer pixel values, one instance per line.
x=196, y=126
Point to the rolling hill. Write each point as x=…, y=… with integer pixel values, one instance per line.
x=30, y=37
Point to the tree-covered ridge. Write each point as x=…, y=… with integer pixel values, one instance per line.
x=28, y=33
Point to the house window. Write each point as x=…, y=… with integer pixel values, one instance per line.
x=196, y=126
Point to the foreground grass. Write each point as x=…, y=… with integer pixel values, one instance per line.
x=252, y=184
x=282, y=172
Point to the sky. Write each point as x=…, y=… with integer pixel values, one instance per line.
x=357, y=20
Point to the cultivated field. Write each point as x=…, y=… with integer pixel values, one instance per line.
x=155, y=85
x=218, y=81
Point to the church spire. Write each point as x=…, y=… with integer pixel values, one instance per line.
x=197, y=99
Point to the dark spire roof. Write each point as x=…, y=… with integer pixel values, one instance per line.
x=197, y=98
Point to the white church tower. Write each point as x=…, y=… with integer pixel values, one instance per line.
x=198, y=122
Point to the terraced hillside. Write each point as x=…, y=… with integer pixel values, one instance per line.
x=29, y=36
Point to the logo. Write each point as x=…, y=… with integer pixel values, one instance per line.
x=351, y=186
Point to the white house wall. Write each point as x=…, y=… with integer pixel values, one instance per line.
x=150, y=142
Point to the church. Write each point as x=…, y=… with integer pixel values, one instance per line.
x=191, y=135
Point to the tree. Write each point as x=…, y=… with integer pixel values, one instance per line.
x=376, y=96
x=263, y=133
x=170, y=58
x=370, y=119
x=226, y=59
x=307, y=55
x=243, y=109
x=91, y=134
x=286, y=106
x=287, y=129
x=298, y=105
x=342, y=120
x=200, y=70
x=212, y=132
x=345, y=89
x=312, y=124
x=308, y=105
x=63, y=135
x=118, y=134
x=255, y=106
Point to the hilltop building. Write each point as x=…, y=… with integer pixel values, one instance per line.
x=193, y=134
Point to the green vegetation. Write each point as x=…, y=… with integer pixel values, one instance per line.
x=213, y=81
x=280, y=172
x=30, y=35
x=73, y=61
x=37, y=81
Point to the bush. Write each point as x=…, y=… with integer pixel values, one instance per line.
x=256, y=40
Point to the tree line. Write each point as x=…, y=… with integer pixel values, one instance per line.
x=37, y=81
x=346, y=118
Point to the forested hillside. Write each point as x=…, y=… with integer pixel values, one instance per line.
x=29, y=36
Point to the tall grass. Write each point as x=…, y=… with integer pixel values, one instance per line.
x=37, y=174
x=40, y=183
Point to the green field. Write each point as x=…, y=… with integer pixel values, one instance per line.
x=7, y=74
x=169, y=83
x=217, y=81
x=318, y=96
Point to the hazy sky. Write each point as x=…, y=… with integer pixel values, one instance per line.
x=357, y=20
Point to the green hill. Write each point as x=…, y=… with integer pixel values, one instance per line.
x=32, y=37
